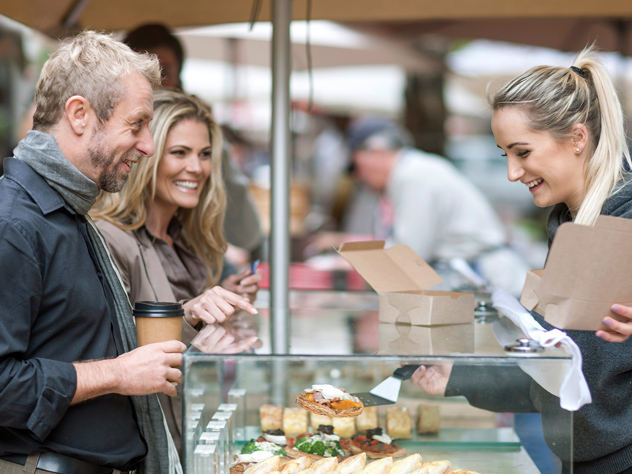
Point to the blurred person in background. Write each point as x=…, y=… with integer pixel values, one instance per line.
x=157, y=39
x=329, y=164
x=419, y=199
x=242, y=227
x=165, y=226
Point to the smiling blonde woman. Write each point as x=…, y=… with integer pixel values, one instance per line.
x=165, y=227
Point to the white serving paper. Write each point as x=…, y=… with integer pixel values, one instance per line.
x=569, y=383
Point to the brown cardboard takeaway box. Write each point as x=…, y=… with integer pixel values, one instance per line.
x=401, y=277
x=587, y=270
x=399, y=339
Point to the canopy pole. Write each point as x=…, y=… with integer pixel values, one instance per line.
x=280, y=164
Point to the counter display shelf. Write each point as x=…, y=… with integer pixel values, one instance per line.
x=348, y=348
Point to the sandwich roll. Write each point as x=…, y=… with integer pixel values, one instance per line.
x=316, y=420
x=399, y=423
x=294, y=422
x=344, y=427
x=271, y=417
x=366, y=420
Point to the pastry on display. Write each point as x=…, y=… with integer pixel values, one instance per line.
x=366, y=420
x=344, y=427
x=316, y=420
x=340, y=443
x=376, y=445
x=265, y=467
x=253, y=452
x=381, y=466
x=294, y=422
x=435, y=467
x=352, y=464
x=294, y=466
x=398, y=423
x=428, y=419
x=407, y=465
x=271, y=417
x=324, y=465
x=357, y=464
x=329, y=401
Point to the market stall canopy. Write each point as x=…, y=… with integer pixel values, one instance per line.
x=330, y=45
x=57, y=17
x=564, y=34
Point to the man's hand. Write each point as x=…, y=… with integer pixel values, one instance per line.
x=215, y=305
x=149, y=369
x=618, y=331
x=432, y=380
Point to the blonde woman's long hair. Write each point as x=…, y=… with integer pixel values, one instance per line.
x=557, y=98
x=203, y=225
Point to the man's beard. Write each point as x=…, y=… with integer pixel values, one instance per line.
x=109, y=178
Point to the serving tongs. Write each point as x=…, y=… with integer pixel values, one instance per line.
x=387, y=392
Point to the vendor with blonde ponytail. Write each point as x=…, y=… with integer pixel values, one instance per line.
x=562, y=132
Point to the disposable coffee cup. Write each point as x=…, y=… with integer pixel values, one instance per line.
x=158, y=322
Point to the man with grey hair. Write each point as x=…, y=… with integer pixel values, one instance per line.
x=425, y=203
x=78, y=396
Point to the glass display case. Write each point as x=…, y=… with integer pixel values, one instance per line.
x=336, y=339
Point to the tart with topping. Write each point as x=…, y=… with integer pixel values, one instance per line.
x=376, y=445
x=330, y=401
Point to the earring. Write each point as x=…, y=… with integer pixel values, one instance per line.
x=578, y=149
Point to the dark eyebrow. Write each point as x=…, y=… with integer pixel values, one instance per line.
x=512, y=145
x=509, y=147
x=179, y=146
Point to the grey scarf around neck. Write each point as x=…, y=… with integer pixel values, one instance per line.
x=41, y=152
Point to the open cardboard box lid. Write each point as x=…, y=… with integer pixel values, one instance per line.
x=587, y=270
x=395, y=269
x=401, y=277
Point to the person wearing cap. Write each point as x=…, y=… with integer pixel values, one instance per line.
x=78, y=396
x=427, y=204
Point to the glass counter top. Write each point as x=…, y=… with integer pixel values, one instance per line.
x=346, y=324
